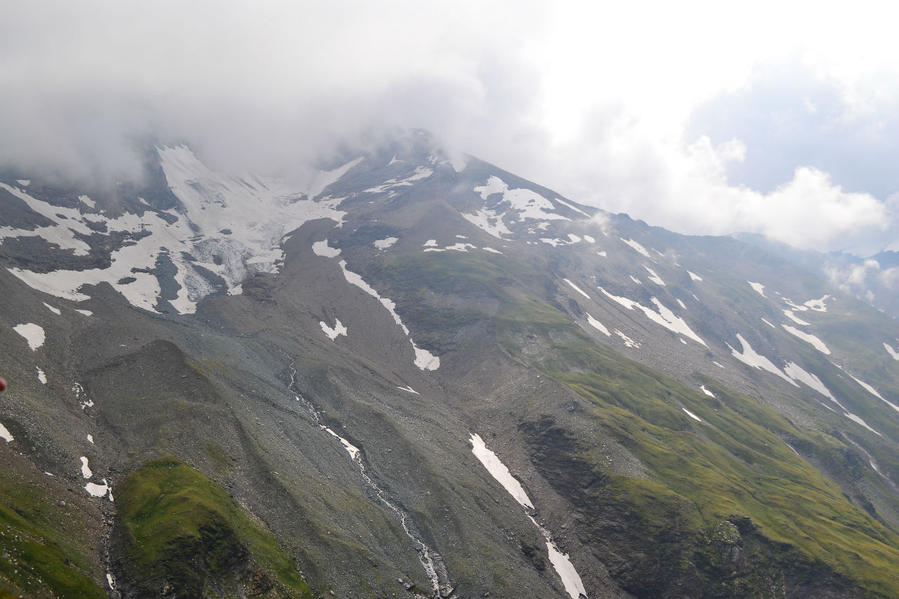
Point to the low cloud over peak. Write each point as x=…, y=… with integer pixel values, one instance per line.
x=666, y=123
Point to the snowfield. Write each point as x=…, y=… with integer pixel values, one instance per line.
x=33, y=334
x=231, y=226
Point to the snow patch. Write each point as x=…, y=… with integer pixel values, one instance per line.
x=680, y=303
x=796, y=372
x=759, y=288
x=96, y=490
x=41, y=376
x=456, y=247
x=576, y=288
x=636, y=246
x=499, y=471
x=84, y=312
x=692, y=415
x=90, y=439
x=491, y=250
x=560, y=561
x=793, y=305
x=564, y=568
x=420, y=173
x=706, y=391
x=24, y=182
x=383, y=244
x=33, y=334
x=350, y=448
x=654, y=277
x=767, y=322
x=53, y=309
x=333, y=333
x=628, y=342
x=792, y=316
x=424, y=359
x=321, y=248
x=85, y=468
x=894, y=353
x=858, y=420
x=87, y=201
x=409, y=389
x=808, y=338
x=489, y=221
x=598, y=326
x=5, y=434
x=694, y=276
x=750, y=357
x=430, y=243
x=589, y=239
x=602, y=254
x=573, y=207
x=322, y=179
x=525, y=203
x=818, y=305
x=661, y=315
x=874, y=392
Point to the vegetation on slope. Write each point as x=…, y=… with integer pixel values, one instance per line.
x=181, y=535
x=732, y=471
x=44, y=548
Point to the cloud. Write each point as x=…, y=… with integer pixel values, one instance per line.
x=866, y=279
x=595, y=102
x=258, y=86
x=789, y=116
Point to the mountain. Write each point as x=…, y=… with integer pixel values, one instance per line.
x=874, y=280
x=415, y=376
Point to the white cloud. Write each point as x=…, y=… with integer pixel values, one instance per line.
x=592, y=100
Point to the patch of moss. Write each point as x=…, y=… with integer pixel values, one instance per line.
x=181, y=532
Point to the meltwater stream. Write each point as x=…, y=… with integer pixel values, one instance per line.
x=429, y=558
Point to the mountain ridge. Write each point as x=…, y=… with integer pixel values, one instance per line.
x=591, y=352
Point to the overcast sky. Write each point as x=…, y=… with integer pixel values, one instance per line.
x=776, y=118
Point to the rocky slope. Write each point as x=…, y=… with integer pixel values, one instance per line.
x=410, y=376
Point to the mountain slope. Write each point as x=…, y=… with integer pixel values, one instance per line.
x=429, y=379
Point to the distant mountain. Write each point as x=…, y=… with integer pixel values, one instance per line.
x=874, y=280
x=414, y=377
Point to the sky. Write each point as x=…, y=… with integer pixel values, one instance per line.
x=775, y=118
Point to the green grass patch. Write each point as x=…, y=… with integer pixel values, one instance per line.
x=43, y=546
x=735, y=462
x=178, y=528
